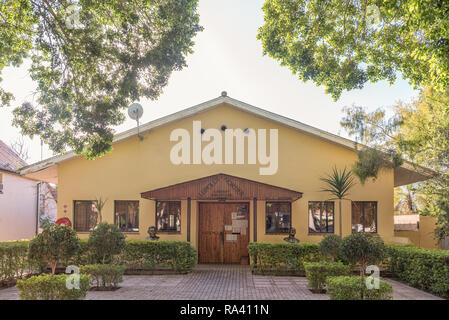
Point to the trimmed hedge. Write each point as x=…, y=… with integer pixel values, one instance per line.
x=104, y=275
x=353, y=288
x=426, y=269
x=178, y=256
x=48, y=287
x=317, y=272
x=14, y=261
x=282, y=258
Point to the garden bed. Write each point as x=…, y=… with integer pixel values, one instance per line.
x=104, y=288
x=7, y=284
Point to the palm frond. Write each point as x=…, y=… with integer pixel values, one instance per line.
x=339, y=182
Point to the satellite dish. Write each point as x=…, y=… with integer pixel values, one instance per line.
x=135, y=112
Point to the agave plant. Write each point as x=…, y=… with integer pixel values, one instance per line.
x=338, y=183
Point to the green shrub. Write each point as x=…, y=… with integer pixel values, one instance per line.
x=104, y=275
x=178, y=256
x=426, y=269
x=362, y=248
x=13, y=260
x=105, y=241
x=83, y=255
x=330, y=246
x=55, y=244
x=317, y=272
x=50, y=287
x=279, y=258
x=354, y=288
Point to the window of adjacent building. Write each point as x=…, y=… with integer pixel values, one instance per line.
x=127, y=215
x=84, y=215
x=364, y=216
x=278, y=217
x=321, y=217
x=168, y=216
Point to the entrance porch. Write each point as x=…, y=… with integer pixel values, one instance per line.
x=224, y=217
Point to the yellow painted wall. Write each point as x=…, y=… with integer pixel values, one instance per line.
x=424, y=237
x=134, y=167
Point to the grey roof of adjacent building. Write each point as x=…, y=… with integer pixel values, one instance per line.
x=9, y=160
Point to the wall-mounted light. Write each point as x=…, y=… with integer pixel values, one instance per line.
x=223, y=128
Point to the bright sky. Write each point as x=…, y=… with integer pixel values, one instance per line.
x=227, y=57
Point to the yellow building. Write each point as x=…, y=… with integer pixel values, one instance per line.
x=189, y=176
x=421, y=233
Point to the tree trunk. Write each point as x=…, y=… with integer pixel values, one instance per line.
x=362, y=276
x=341, y=222
x=362, y=269
x=53, y=268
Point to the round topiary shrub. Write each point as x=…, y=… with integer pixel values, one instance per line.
x=330, y=246
x=362, y=248
x=105, y=241
x=53, y=245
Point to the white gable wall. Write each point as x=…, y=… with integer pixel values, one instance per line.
x=18, y=208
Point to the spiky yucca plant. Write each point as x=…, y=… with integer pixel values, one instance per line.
x=338, y=183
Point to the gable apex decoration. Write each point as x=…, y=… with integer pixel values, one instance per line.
x=222, y=187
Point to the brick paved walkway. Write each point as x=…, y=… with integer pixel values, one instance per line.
x=227, y=282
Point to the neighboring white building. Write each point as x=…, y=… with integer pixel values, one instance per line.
x=20, y=199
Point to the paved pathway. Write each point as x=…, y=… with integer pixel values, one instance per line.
x=227, y=282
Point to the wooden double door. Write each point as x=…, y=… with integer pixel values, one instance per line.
x=223, y=232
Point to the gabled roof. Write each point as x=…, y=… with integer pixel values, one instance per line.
x=9, y=160
x=222, y=186
x=412, y=175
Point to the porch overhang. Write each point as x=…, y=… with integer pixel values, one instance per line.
x=222, y=187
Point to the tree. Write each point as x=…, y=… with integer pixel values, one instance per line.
x=105, y=241
x=90, y=60
x=20, y=148
x=408, y=200
x=330, y=246
x=419, y=133
x=45, y=221
x=338, y=183
x=344, y=44
x=362, y=248
x=53, y=245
